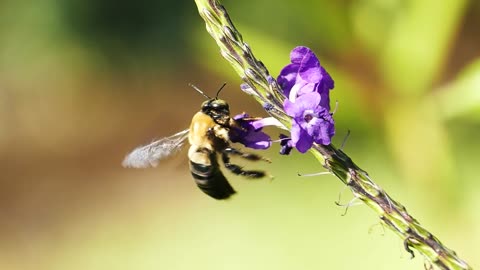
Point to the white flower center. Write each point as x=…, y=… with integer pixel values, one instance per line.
x=308, y=115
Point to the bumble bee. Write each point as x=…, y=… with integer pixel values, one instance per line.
x=208, y=136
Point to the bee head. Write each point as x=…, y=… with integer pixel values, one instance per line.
x=218, y=110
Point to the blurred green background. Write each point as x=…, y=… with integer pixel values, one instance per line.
x=83, y=82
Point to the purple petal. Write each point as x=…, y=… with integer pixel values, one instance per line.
x=287, y=78
x=305, y=102
x=309, y=68
x=256, y=140
x=300, y=138
x=240, y=116
x=323, y=137
x=324, y=129
x=305, y=88
x=304, y=75
x=301, y=87
x=304, y=56
x=248, y=132
x=292, y=109
x=327, y=80
x=295, y=132
x=268, y=121
x=304, y=143
x=308, y=101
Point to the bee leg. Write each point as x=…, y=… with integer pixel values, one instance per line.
x=238, y=170
x=248, y=156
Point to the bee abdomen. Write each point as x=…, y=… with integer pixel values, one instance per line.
x=211, y=180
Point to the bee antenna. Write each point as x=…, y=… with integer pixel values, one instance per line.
x=218, y=92
x=200, y=91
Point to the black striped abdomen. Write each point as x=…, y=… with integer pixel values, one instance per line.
x=208, y=176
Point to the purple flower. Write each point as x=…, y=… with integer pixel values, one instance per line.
x=307, y=86
x=311, y=122
x=247, y=131
x=305, y=75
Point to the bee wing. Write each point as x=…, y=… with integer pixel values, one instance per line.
x=149, y=155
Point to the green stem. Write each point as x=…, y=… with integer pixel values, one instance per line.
x=266, y=91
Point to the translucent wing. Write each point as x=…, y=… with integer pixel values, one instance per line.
x=149, y=155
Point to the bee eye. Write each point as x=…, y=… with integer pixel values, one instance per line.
x=221, y=107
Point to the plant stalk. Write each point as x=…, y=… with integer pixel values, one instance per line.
x=267, y=92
